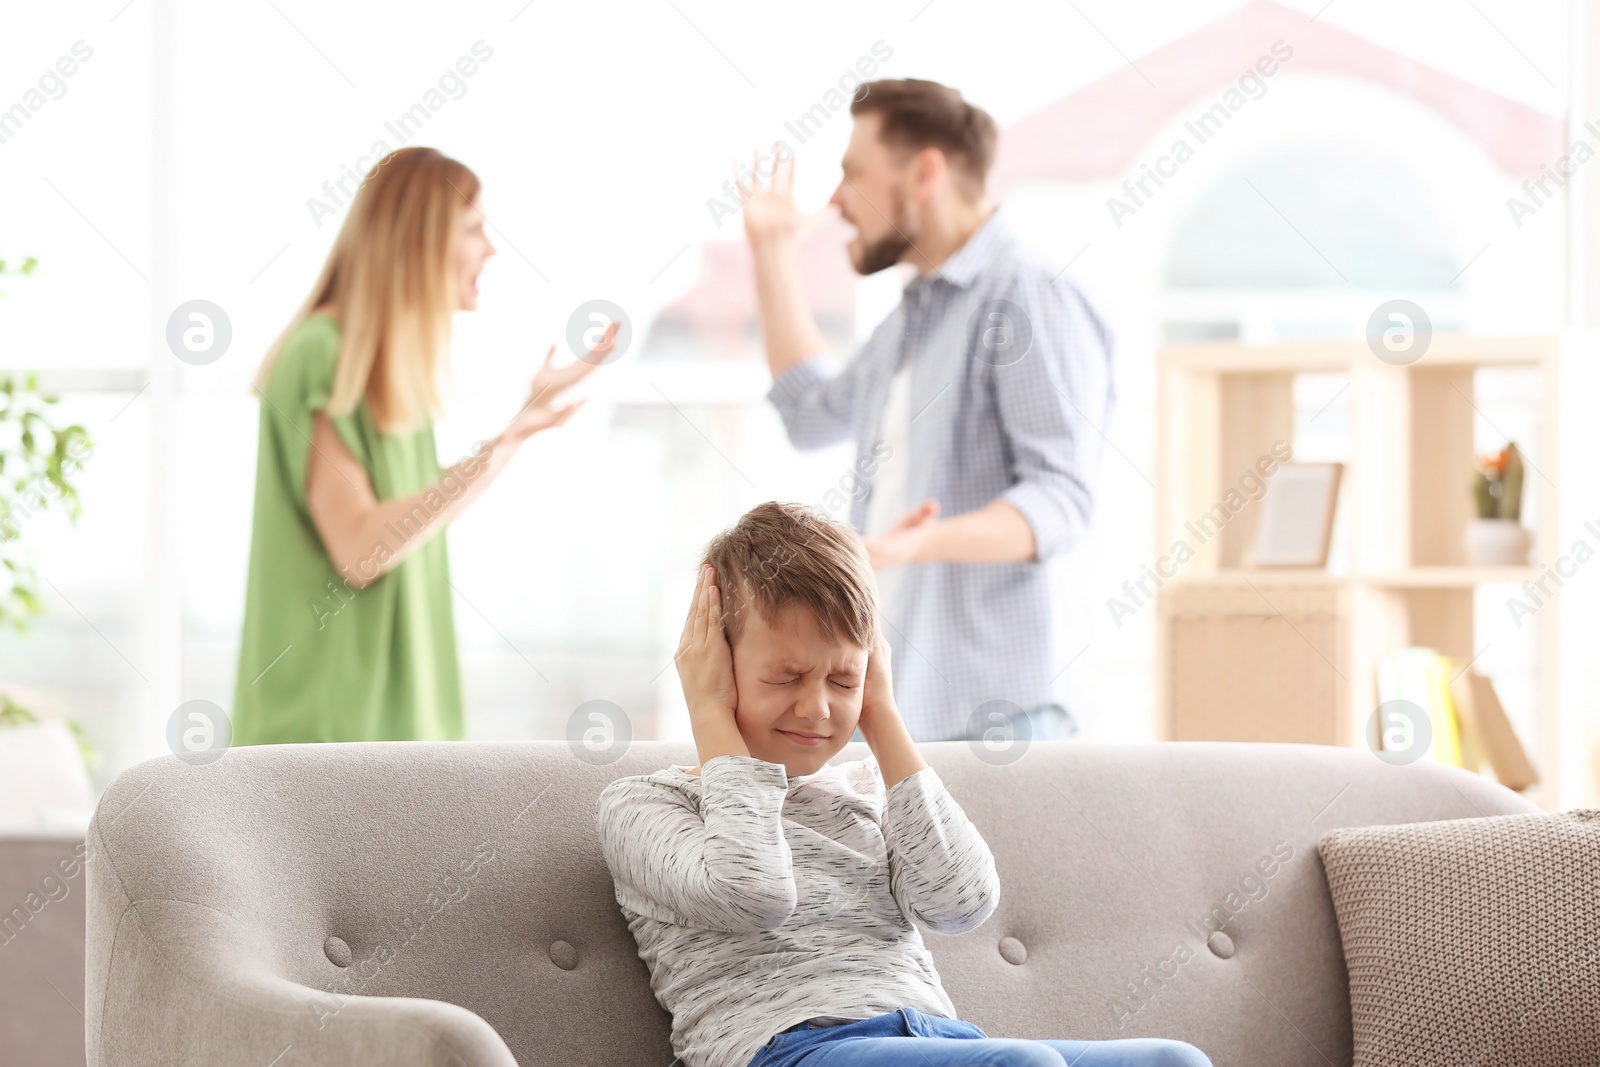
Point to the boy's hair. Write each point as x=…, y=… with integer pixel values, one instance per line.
x=779, y=554
x=919, y=114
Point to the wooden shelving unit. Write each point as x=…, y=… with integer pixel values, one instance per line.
x=1274, y=654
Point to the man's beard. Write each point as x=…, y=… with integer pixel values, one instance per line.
x=889, y=249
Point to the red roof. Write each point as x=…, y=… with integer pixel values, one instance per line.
x=1098, y=130
x=719, y=311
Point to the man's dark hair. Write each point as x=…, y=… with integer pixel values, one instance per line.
x=919, y=114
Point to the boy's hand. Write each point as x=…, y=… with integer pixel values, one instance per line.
x=877, y=692
x=705, y=662
x=881, y=726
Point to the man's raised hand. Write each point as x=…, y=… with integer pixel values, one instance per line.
x=769, y=210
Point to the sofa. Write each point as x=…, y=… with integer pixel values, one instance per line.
x=41, y=949
x=414, y=903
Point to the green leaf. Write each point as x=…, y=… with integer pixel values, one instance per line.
x=14, y=714
x=33, y=454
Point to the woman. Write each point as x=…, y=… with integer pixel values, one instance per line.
x=349, y=633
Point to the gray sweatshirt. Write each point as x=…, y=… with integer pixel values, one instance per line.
x=760, y=900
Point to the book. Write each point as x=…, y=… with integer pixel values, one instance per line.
x=1420, y=677
x=1484, y=719
x=1442, y=709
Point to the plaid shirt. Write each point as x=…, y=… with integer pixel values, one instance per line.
x=1010, y=386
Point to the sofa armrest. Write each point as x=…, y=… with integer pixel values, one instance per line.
x=184, y=985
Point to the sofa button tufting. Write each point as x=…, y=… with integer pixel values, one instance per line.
x=337, y=951
x=1013, y=951
x=1221, y=945
x=563, y=955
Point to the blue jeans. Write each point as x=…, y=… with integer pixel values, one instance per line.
x=1047, y=722
x=908, y=1038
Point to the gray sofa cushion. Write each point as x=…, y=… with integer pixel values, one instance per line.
x=1473, y=941
x=41, y=950
x=438, y=903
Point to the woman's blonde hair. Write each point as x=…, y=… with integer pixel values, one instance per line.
x=392, y=279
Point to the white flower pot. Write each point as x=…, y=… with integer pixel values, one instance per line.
x=1496, y=542
x=43, y=785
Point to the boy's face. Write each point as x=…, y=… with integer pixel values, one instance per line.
x=793, y=680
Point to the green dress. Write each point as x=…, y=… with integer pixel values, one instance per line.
x=319, y=659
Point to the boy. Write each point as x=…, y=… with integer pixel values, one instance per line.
x=776, y=899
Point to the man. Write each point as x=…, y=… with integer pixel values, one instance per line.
x=977, y=403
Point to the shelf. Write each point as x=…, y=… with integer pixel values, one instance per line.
x=1451, y=577
x=1340, y=356
x=1288, y=653
x=1275, y=576
x=1411, y=578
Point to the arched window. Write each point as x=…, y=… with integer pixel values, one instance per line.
x=1294, y=242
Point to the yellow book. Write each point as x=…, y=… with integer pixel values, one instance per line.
x=1473, y=743
x=1422, y=677
x=1442, y=712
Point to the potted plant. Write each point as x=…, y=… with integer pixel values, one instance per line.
x=43, y=762
x=1497, y=538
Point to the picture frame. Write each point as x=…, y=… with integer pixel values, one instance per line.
x=1294, y=520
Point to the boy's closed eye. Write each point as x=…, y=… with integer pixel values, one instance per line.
x=795, y=678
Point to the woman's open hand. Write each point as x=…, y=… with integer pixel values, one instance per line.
x=549, y=382
x=705, y=661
